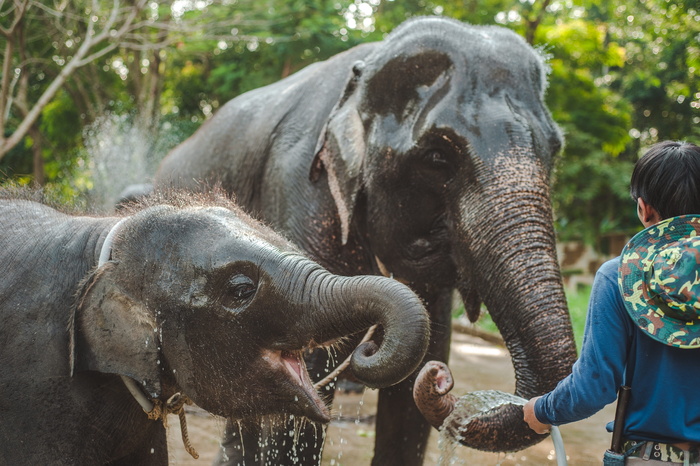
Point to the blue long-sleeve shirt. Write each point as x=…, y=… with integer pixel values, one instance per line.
x=665, y=398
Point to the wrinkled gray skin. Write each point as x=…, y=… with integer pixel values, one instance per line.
x=486, y=432
x=197, y=299
x=426, y=156
x=431, y=392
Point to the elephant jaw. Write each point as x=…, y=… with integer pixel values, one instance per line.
x=292, y=368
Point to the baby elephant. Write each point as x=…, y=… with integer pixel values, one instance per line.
x=183, y=298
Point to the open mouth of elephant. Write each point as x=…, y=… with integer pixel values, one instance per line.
x=305, y=396
x=295, y=365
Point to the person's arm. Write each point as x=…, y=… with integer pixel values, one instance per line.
x=598, y=372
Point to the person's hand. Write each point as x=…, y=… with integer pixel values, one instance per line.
x=531, y=419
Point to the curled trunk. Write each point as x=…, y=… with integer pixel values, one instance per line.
x=341, y=306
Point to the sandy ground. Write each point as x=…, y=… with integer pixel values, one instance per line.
x=476, y=365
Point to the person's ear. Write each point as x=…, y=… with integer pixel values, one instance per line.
x=647, y=214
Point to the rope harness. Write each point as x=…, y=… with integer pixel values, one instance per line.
x=174, y=405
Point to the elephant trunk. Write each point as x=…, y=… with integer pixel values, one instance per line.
x=515, y=248
x=431, y=392
x=336, y=306
x=486, y=420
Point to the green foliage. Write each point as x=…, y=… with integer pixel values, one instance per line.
x=578, y=310
x=17, y=163
x=591, y=180
x=583, y=44
x=60, y=122
x=623, y=75
x=661, y=76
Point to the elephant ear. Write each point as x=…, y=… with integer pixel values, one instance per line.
x=341, y=151
x=113, y=333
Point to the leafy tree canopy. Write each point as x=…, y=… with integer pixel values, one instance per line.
x=623, y=76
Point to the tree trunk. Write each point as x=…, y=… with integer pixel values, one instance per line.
x=37, y=150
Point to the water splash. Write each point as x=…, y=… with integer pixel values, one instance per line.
x=123, y=151
x=479, y=403
x=468, y=407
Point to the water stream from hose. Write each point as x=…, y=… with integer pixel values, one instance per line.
x=480, y=402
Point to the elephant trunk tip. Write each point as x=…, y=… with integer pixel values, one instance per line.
x=364, y=365
x=431, y=392
x=405, y=333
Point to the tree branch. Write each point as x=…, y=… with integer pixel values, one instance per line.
x=5, y=87
x=532, y=25
x=81, y=58
x=120, y=23
x=19, y=15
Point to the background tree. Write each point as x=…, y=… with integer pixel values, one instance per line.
x=623, y=75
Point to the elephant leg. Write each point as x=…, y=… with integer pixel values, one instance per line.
x=401, y=430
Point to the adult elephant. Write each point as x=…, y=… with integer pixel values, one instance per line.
x=105, y=318
x=427, y=157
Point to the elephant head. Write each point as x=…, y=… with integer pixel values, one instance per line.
x=200, y=299
x=441, y=147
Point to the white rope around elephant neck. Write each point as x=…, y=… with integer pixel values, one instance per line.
x=154, y=409
x=105, y=254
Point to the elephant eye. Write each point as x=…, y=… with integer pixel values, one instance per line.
x=241, y=287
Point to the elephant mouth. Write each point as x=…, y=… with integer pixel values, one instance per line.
x=296, y=383
x=295, y=365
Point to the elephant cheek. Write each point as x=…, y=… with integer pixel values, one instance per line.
x=210, y=367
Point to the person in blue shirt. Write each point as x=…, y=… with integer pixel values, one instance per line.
x=643, y=322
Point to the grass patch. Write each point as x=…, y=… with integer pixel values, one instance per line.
x=578, y=308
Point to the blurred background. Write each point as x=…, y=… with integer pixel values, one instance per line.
x=94, y=93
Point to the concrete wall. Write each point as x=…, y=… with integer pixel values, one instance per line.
x=579, y=262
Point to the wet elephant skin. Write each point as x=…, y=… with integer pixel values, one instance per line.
x=195, y=298
x=498, y=428
x=426, y=157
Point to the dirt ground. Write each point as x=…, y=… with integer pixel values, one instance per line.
x=476, y=365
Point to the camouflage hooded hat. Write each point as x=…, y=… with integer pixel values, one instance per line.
x=660, y=281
